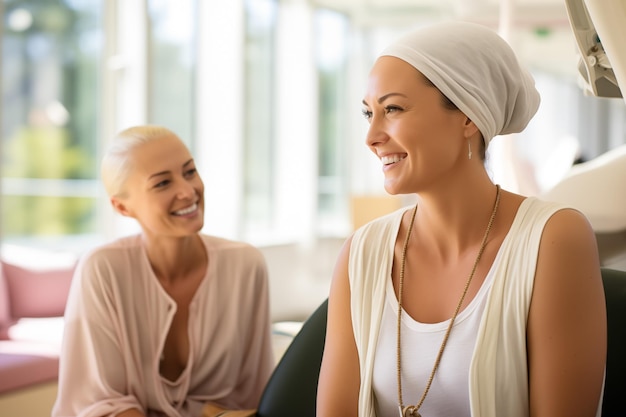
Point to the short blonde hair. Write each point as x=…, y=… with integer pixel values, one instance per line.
x=115, y=167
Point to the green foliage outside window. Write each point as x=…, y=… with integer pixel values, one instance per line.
x=46, y=153
x=49, y=216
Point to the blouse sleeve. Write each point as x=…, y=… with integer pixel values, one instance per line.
x=259, y=358
x=92, y=375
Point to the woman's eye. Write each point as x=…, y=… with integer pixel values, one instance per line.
x=190, y=172
x=391, y=109
x=161, y=184
x=388, y=109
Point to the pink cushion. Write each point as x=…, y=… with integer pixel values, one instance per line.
x=5, y=312
x=37, y=293
x=19, y=371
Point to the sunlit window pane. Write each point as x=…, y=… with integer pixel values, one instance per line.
x=48, y=216
x=331, y=29
x=259, y=127
x=172, y=65
x=50, y=58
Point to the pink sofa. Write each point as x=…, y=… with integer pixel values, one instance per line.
x=32, y=303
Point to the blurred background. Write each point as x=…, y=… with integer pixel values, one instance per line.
x=267, y=95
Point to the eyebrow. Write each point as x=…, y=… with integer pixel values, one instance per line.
x=167, y=172
x=385, y=97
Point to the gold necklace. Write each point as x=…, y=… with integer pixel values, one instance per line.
x=412, y=410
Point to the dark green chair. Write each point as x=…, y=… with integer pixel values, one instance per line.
x=292, y=388
x=615, y=385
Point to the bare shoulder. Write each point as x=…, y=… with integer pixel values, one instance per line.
x=568, y=264
x=567, y=218
x=568, y=240
x=340, y=285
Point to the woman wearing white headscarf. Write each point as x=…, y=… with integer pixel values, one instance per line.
x=477, y=301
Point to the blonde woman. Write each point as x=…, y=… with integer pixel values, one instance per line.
x=162, y=322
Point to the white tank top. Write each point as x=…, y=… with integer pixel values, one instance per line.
x=449, y=392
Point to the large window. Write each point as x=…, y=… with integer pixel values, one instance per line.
x=258, y=126
x=331, y=53
x=50, y=63
x=172, y=63
x=73, y=73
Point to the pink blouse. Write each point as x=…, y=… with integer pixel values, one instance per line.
x=117, y=319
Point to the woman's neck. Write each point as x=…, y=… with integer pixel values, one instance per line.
x=452, y=221
x=173, y=259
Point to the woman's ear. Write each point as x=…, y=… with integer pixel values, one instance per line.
x=470, y=128
x=120, y=207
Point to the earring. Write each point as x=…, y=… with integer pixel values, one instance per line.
x=469, y=149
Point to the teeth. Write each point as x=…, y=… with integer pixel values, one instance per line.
x=391, y=159
x=187, y=210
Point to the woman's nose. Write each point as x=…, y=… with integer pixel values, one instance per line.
x=375, y=134
x=186, y=189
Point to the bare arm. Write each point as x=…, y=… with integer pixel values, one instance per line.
x=567, y=321
x=338, y=387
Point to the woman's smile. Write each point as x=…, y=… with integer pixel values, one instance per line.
x=390, y=161
x=187, y=211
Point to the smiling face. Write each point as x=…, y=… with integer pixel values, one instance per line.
x=418, y=140
x=163, y=191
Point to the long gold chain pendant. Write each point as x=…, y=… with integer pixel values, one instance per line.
x=409, y=411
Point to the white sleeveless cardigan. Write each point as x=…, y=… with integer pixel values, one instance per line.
x=498, y=374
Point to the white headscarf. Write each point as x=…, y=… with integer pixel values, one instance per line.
x=477, y=70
